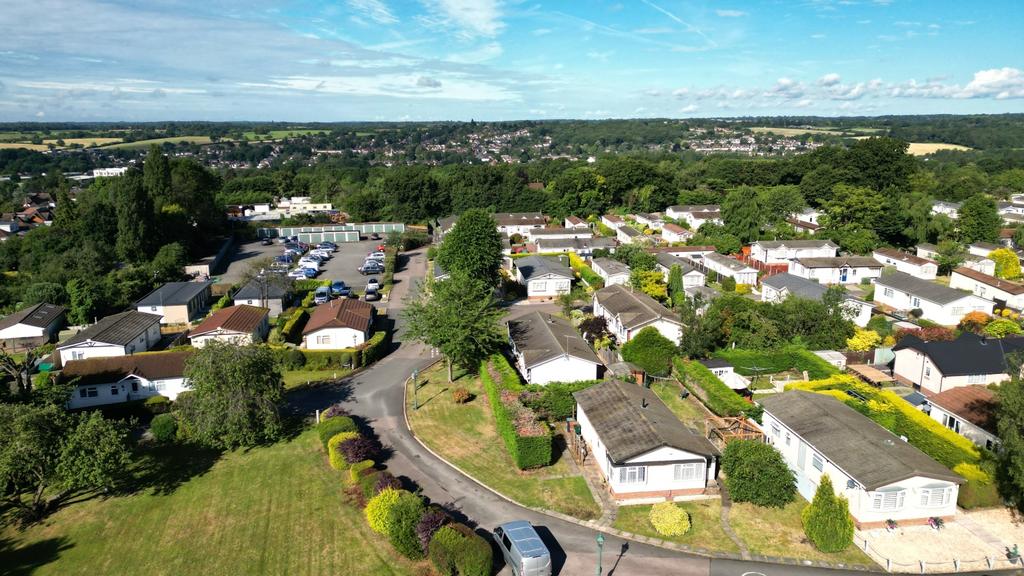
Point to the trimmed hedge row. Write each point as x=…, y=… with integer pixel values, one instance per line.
x=330, y=427
x=719, y=398
x=292, y=331
x=894, y=414
x=779, y=360
x=585, y=272
x=527, y=440
x=375, y=348
x=456, y=550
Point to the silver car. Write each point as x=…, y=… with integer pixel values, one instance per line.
x=523, y=549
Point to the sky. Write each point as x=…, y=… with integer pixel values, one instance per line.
x=373, y=60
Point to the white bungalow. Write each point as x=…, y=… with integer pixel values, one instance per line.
x=837, y=269
x=626, y=234
x=341, y=323
x=783, y=251
x=941, y=365
x=1003, y=292
x=117, y=335
x=548, y=349
x=239, y=325
x=612, y=271
x=937, y=303
x=908, y=263
x=730, y=268
x=970, y=411
x=576, y=223
x=108, y=380
x=543, y=277
x=612, y=221
x=673, y=233
x=627, y=312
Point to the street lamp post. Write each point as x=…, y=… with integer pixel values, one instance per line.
x=415, y=386
x=600, y=547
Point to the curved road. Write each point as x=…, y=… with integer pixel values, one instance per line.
x=378, y=395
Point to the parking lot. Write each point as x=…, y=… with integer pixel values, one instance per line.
x=342, y=265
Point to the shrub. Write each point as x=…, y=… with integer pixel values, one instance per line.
x=972, y=472
x=974, y=322
x=368, y=483
x=979, y=491
x=405, y=517
x=292, y=331
x=456, y=550
x=750, y=362
x=1002, y=328
x=290, y=358
x=718, y=397
x=554, y=401
x=164, y=427
x=756, y=473
x=586, y=273
x=728, y=284
x=355, y=471
x=650, y=351
x=460, y=395
x=863, y=340
x=378, y=511
x=324, y=359
x=527, y=440
x=333, y=411
x=743, y=288
x=375, y=348
x=334, y=455
x=431, y=521
x=827, y=522
x=386, y=481
x=157, y=404
x=359, y=448
x=222, y=302
x=329, y=427
x=669, y=519
x=880, y=324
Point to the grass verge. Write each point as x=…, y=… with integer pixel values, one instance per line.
x=686, y=409
x=298, y=378
x=705, y=519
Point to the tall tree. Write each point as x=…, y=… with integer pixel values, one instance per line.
x=66, y=214
x=134, y=218
x=675, y=285
x=82, y=298
x=949, y=255
x=742, y=214
x=1010, y=423
x=156, y=176
x=473, y=246
x=459, y=317
x=234, y=396
x=979, y=220
x=827, y=521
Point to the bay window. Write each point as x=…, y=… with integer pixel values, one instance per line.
x=633, y=475
x=888, y=500
x=936, y=496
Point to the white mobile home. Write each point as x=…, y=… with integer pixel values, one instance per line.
x=102, y=381
x=970, y=411
x=543, y=277
x=783, y=251
x=940, y=365
x=730, y=268
x=1003, y=292
x=837, y=269
x=612, y=271
x=907, y=263
x=548, y=349
x=117, y=335
x=937, y=303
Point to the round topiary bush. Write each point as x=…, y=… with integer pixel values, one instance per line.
x=164, y=427
x=157, y=404
x=378, y=511
x=669, y=519
x=334, y=454
x=329, y=427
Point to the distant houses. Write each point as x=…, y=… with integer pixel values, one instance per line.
x=837, y=269
x=696, y=215
x=521, y=223
x=612, y=271
x=730, y=268
x=547, y=349
x=271, y=293
x=176, y=302
x=785, y=251
x=583, y=247
x=907, y=263
x=673, y=233
x=627, y=312
x=692, y=277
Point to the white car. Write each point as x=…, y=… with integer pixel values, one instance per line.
x=298, y=273
x=373, y=284
x=307, y=263
x=321, y=253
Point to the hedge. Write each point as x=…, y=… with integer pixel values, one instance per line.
x=554, y=401
x=292, y=331
x=778, y=360
x=455, y=550
x=527, y=440
x=223, y=302
x=378, y=511
x=718, y=397
x=899, y=417
x=164, y=427
x=586, y=273
x=375, y=348
x=329, y=427
x=334, y=453
x=405, y=516
x=355, y=471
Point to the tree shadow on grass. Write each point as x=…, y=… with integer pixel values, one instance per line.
x=21, y=560
x=161, y=469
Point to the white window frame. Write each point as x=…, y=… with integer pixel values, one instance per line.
x=975, y=378
x=788, y=439
x=632, y=475
x=951, y=422
x=540, y=286
x=818, y=462
x=888, y=500
x=887, y=292
x=935, y=497
x=324, y=339
x=776, y=430
x=915, y=301
x=686, y=472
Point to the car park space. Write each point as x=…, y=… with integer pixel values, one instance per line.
x=343, y=264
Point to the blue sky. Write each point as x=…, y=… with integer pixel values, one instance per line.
x=302, y=60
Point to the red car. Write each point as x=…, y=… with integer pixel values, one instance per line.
x=381, y=247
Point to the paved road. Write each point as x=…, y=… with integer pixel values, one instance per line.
x=378, y=395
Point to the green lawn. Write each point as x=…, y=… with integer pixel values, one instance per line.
x=273, y=510
x=465, y=435
x=297, y=378
x=686, y=410
x=705, y=519
x=780, y=532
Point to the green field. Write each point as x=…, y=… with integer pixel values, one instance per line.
x=790, y=132
x=278, y=134
x=273, y=510
x=158, y=141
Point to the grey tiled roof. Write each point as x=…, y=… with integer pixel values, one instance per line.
x=120, y=329
x=631, y=420
x=38, y=315
x=531, y=266
x=839, y=262
x=772, y=244
x=542, y=337
x=633, y=308
x=174, y=294
x=870, y=454
x=277, y=288
x=923, y=289
x=797, y=286
x=610, y=266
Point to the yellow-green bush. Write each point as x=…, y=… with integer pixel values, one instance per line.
x=378, y=510
x=335, y=457
x=669, y=519
x=356, y=470
x=972, y=473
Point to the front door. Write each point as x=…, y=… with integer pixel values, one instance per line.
x=842, y=275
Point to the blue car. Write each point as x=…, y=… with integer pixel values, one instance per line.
x=338, y=288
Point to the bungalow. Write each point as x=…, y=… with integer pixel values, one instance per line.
x=559, y=233
x=443, y=227
x=694, y=253
x=238, y=325
x=808, y=216
x=547, y=349
x=612, y=221
x=673, y=233
x=914, y=265
x=640, y=446
x=970, y=411
x=927, y=251
x=691, y=276
x=543, y=277
x=520, y=222
x=612, y=271
x=881, y=475
x=574, y=222
x=1003, y=292
x=726, y=373
x=939, y=365
x=802, y=227
x=777, y=287
x=583, y=247
x=270, y=292
x=341, y=323
x=981, y=264
x=982, y=249
x=628, y=235
x=652, y=221
x=937, y=303
x=730, y=268
x=115, y=380
x=949, y=209
x=703, y=294
x=627, y=312
x=176, y=302
x=837, y=269
x=783, y=251
x=118, y=335
x=689, y=213
x=34, y=325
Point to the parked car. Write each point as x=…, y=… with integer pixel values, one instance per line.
x=523, y=549
x=370, y=268
x=310, y=272
x=322, y=295
x=372, y=284
x=327, y=246
x=371, y=296
x=338, y=288
x=376, y=254
x=298, y=273
x=325, y=254
x=266, y=242
x=284, y=259
x=374, y=236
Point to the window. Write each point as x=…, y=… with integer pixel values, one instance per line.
x=113, y=390
x=888, y=501
x=976, y=379
x=935, y=497
x=788, y=438
x=135, y=385
x=915, y=302
x=323, y=339
x=682, y=472
x=76, y=355
x=817, y=462
x=958, y=311
x=927, y=371
x=159, y=386
x=633, y=475
x=775, y=430
x=888, y=292
x=952, y=423
x=90, y=392
x=540, y=286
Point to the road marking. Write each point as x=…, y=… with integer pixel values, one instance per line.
x=752, y=574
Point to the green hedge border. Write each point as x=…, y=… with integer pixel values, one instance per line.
x=778, y=360
x=526, y=451
x=718, y=397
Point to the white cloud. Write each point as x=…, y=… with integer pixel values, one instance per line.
x=469, y=18
x=397, y=85
x=730, y=13
x=375, y=10
x=786, y=88
x=477, y=55
x=688, y=109
x=805, y=103
x=542, y=31
x=601, y=56
x=127, y=87
x=818, y=36
x=997, y=82
x=830, y=79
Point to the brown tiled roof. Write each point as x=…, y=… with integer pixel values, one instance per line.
x=675, y=228
x=976, y=404
x=674, y=249
x=1004, y=285
x=242, y=318
x=103, y=370
x=803, y=224
x=341, y=313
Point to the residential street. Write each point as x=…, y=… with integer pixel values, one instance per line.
x=377, y=395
